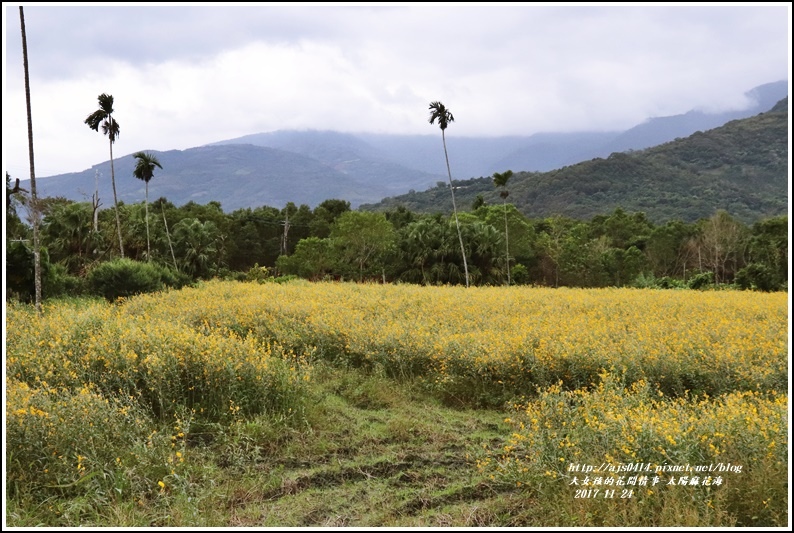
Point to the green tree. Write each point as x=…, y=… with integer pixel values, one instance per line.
x=423, y=244
x=768, y=245
x=69, y=236
x=522, y=233
x=324, y=216
x=362, y=238
x=33, y=197
x=500, y=180
x=440, y=113
x=144, y=170
x=313, y=259
x=196, y=245
x=255, y=237
x=486, y=258
x=104, y=117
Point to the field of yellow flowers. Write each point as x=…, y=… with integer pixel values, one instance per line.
x=605, y=379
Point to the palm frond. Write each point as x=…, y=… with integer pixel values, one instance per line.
x=106, y=103
x=111, y=128
x=95, y=119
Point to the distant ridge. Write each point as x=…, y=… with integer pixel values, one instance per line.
x=741, y=167
x=363, y=168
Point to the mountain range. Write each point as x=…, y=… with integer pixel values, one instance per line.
x=740, y=167
x=363, y=168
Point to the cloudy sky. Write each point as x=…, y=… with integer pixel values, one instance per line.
x=186, y=76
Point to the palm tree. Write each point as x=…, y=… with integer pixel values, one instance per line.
x=104, y=117
x=500, y=180
x=144, y=170
x=33, y=198
x=439, y=112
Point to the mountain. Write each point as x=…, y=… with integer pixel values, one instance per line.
x=482, y=156
x=236, y=175
x=656, y=131
x=311, y=166
x=741, y=167
x=471, y=157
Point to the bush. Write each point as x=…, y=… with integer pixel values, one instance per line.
x=258, y=274
x=649, y=281
x=757, y=276
x=125, y=277
x=701, y=281
x=58, y=282
x=519, y=274
x=174, y=279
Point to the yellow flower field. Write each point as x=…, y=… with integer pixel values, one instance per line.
x=515, y=338
x=606, y=376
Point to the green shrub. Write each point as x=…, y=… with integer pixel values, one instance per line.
x=59, y=282
x=701, y=281
x=519, y=274
x=757, y=276
x=174, y=279
x=125, y=277
x=258, y=274
x=649, y=281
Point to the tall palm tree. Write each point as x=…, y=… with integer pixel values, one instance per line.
x=33, y=198
x=104, y=117
x=500, y=180
x=439, y=112
x=144, y=170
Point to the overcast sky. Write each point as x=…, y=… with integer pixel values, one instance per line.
x=186, y=76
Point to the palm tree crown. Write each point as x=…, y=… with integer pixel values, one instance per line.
x=144, y=166
x=104, y=117
x=500, y=180
x=438, y=111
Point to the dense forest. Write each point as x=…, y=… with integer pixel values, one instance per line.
x=333, y=242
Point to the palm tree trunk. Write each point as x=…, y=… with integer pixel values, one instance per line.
x=167, y=234
x=146, y=207
x=34, y=198
x=455, y=210
x=507, y=243
x=116, y=200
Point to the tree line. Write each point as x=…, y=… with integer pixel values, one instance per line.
x=75, y=251
x=332, y=241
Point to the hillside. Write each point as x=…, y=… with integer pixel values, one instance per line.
x=237, y=175
x=741, y=167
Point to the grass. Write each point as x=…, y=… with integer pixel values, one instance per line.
x=368, y=452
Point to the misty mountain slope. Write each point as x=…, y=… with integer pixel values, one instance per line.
x=345, y=153
x=741, y=167
x=311, y=166
x=235, y=175
x=656, y=131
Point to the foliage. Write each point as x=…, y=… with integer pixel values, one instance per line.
x=121, y=278
x=701, y=281
x=362, y=239
x=314, y=258
x=757, y=276
x=20, y=270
